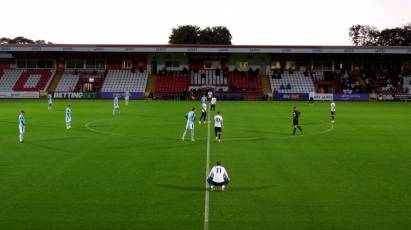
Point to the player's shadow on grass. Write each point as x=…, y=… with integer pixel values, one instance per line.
x=203, y=189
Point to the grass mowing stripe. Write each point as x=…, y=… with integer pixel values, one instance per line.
x=207, y=195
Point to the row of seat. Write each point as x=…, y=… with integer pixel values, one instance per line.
x=68, y=82
x=25, y=79
x=125, y=80
x=407, y=83
x=297, y=83
x=172, y=84
x=9, y=79
x=209, y=78
x=244, y=82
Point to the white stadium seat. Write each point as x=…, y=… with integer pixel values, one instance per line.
x=125, y=80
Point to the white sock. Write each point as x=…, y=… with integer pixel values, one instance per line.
x=21, y=137
x=223, y=187
x=184, y=134
x=192, y=134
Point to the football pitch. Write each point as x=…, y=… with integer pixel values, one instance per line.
x=133, y=171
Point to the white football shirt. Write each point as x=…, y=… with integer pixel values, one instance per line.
x=218, y=173
x=213, y=101
x=332, y=107
x=204, y=107
x=218, y=121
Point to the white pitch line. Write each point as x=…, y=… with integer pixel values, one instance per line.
x=207, y=195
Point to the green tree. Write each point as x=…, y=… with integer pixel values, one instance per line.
x=189, y=34
x=217, y=35
x=21, y=40
x=395, y=37
x=364, y=35
x=185, y=34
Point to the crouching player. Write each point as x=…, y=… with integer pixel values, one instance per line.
x=218, y=177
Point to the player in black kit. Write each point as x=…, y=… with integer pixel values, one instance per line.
x=296, y=118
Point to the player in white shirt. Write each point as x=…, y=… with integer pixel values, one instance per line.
x=50, y=101
x=311, y=96
x=218, y=126
x=213, y=103
x=210, y=94
x=332, y=110
x=218, y=177
x=190, y=117
x=68, y=117
x=22, y=126
x=203, y=113
x=116, y=106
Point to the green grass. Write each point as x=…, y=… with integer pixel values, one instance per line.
x=133, y=172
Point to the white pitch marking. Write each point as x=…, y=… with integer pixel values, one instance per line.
x=207, y=195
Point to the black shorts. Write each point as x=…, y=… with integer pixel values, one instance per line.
x=211, y=182
x=217, y=129
x=295, y=122
x=332, y=113
x=212, y=105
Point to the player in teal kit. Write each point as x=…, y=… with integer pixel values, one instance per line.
x=203, y=99
x=22, y=126
x=68, y=117
x=126, y=97
x=191, y=117
x=50, y=101
x=116, y=106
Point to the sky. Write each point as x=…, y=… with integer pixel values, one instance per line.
x=252, y=22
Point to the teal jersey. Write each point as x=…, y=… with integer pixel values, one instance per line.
x=203, y=99
x=68, y=112
x=22, y=121
x=191, y=116
x=50, y=98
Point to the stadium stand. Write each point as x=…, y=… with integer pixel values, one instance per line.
x=172, y=82
x=406, y=84
x=34, y=80
x=208, y=77
x=9, y=79
x=291, y=82
x=125, y=80
x=26, y=79
x=68, y=82
x=248, y=81
x=384, y=81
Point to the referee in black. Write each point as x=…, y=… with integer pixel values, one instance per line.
x=296, y=118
